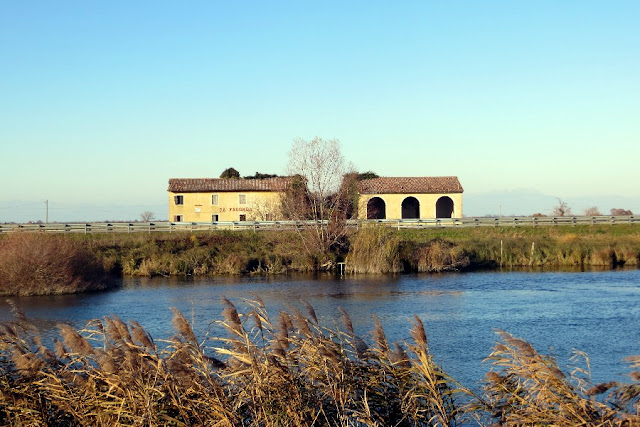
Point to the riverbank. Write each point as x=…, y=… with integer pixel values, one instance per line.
x=372, y=249
x=368, y=250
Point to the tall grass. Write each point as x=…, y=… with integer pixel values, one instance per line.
x=290, y=371
x=580, y=246
x=378, y=249
x=368, y=250
x=527, y=388
x=374, y=249
x=206, y=253
x=41, y=264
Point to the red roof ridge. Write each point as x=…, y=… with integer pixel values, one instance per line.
x=410, y=184
x=195, y=185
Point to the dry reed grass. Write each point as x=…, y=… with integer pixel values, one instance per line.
x=374, y=249
x=525, y=388
x=252, y=371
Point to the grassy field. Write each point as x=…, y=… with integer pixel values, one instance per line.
x=252, y=370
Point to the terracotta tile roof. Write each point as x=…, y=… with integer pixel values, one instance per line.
x=197, y=185
x=401, y=185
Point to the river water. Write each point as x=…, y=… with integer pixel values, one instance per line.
x=596, y=312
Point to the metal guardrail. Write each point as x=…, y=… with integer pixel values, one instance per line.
x=149, y=227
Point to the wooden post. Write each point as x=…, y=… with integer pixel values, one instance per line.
x=533, y=248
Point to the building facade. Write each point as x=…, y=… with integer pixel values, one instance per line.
x=410, y=197
x=226, y=199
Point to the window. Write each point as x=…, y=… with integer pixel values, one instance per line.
x=243, y=217
x=214, y=218
x=242, y=199
x=177, y=218
x=179, y=200
x=214, y=199
x=198, y=208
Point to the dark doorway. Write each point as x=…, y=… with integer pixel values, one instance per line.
x=376, y=208
x=410, y=208
x=444, y=207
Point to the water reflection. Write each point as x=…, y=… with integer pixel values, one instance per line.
x=597, y=312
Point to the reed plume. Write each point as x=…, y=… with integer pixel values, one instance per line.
x=246, y=371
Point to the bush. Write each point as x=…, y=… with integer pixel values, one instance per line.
x=42, y=264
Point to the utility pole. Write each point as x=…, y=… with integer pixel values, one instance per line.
x=46, y=218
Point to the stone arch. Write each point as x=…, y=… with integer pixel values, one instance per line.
x=444, y=207
x=410, y=208
x=376, y=208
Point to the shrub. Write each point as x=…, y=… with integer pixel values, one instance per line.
x=42, y=264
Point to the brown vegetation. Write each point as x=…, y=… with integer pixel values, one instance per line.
x=545, y=247
x=621, y=212
x=378, y=249
x=255, y=372
x=181, y=254
x=42, y=264
x=592, y=211
x=527, y=388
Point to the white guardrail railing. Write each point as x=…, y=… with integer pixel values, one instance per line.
x=163, y=226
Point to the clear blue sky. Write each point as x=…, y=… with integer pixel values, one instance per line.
x=102, y=102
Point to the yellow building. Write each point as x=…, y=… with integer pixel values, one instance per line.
x=410, y=197
x=225, y=199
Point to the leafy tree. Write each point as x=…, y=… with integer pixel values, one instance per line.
x=259, y=175
x=367, y=175
x=230, y=173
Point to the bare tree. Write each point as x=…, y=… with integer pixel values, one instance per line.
x=561, y=209
x=146, y=216
x=265, y=209
x=318, y=194
x=592, y=211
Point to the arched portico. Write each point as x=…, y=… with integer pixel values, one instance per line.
x=410, y=208
x=444, y=207
x=376, y=208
